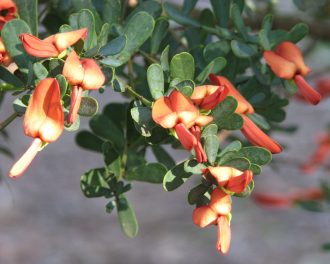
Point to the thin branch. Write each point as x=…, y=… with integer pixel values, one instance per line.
x=137, y=96
x=8, y=120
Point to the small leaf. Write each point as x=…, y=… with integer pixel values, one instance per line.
x=93, y=183
x=224, y=109
x=242, y=50
x=175, y=177
x=214, y=67
x=88, y=140
x=113, y=47
x=221, y=10
x=183, y=66
x=211, y=145
x=28, y=11
x=162, y=156
x=179, y=17
x=126, y=217
x=197, y=193
x=194, y=167
x=164, y=61
x=10, y=78
x=155, y=77
x=235, y=15
x=152, y=173
x=298, y=32
x=40, y=71
x=188, y=6
x=290, y=86
x=88, y=106
x=216, y=49
x=257, y=155
x=210, y=130
x=241, y=164
x=160, y=31
x=62, y=83
x=143, y=120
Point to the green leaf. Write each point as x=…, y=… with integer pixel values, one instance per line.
x=233, y=146
x=194, y=167
x=40, y=71
x=257, y=155
x=152, y=173
x=106, y=129
x=221, y=10
x=183, y=66
x=155, y=77
x=112, y=10
x=86, y=19
x=137, y=30
x=79, y=5
x=112, y=158
x=224, y=109
x=162, y=156
x=232, y=122
x=267, y=23
x=28, y=11
x=10, y=78
x=260, y=121
x=238, y=163
x=88, y=106
x=126, y=217
x=88, y=140
x=113, y=47
x=10, y=36
x=102, y=37
x=290, y=86
x=197, y=193
x=263, y=40
x=160, y=31
x=214, y=66
x=256, y=169
x=211, y=145
x=71, y=127
x=164, y=61
x=216, y=49
x=242, y=50
x=210, y=130
x=62, y=83
x=151, y=7
x=93, y=183
x=175, y=177
x=188, y=6
x=142, y=120
x=179, y=17
x=298, y=32
x=236, y=17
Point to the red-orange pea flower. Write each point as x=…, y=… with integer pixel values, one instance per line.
x=288, y=199
x=178, y=112
x=229, y=178
x=53, y=45
x=287, y=62
x=7, y=11
x=82, y=75
x=252, y=132
x=320, y=154
x=208, y=96
x=43, y=121
x=216, y=213
x=5, y=59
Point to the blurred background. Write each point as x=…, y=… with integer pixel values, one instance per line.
x=45, y=219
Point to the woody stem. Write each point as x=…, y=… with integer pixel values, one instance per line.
x=137, y=96
x=8, y=120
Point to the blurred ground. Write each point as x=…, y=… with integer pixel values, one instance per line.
x=45, y=219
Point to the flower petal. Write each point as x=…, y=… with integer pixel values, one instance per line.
x=224, y=235
x=187, y=139
x=237, y=184
x=73, y=69
x=220, y=202
x=204, y=216
x=163, y=114
x=37, y=47
x=94, y=77
x=311, y=95
x=64, y=40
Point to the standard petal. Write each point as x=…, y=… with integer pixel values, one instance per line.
x=73, y=69
x=204, y=216
x=291, y=52
x=203, y=120
x=237, y=184
x=94, y=77
x=163, y=114
x=282, y=67
x=220, y=202
x=37, y=47
x=199, y=94
x=257, y=137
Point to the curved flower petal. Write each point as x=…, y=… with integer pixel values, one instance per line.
x=203, y=120
x=237, y=184
x=291, y=52
x=283, y=68
x=220, y=202
x=204, y=216
x=64, y=40
x=243, y=107
x=257, y=137
x=163, y=114
x=37, y=47
x=94, y=77
x=73, y=69
x=187, y=139
x=44, y=117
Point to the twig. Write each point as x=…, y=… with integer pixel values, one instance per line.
x=134, y=94
x=8, y=120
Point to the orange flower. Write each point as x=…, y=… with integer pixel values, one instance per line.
x=319, y=155
x=230, y=178
x=178, y=112
x=217, y=213
x=52, y=46
x=82, y=75
x=252, y=133
x=5, y=59
x=208, y=96
x=43, y=121
x=7, y=11
x=287, y=62
x=289, y=199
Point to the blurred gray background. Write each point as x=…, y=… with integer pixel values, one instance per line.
x=45, y=219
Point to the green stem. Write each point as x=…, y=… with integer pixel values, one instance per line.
x=137, y=96
x=148, y=57
x=8, y=120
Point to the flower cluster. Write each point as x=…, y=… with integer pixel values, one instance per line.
x=44, y=117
